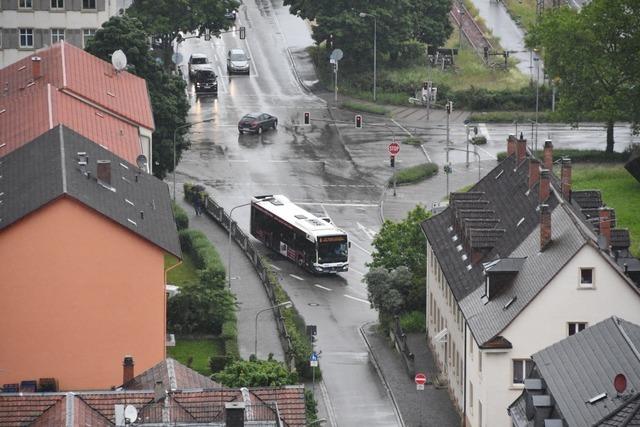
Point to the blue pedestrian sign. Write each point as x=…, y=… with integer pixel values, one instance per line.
x=313, y=360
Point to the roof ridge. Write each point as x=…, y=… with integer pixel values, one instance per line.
x=624, y=334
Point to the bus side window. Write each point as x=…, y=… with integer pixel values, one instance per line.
x=349, y=244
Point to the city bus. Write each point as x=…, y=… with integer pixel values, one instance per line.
x=314, y=244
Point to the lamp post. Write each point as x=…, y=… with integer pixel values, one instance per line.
x=375, y=53
x=229, y=245
x=174, y=149
x=282, y=304
x=474, y=152
x=537, y=61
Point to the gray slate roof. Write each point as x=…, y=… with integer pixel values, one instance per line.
x=584, y=365
x=47, y=168
x=174, y=376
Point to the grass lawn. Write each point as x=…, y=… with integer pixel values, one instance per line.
x=184, y=273
x=620, y=191
x=522, y=11
x=199, y=349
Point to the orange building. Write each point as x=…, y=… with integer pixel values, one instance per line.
x=83, y=235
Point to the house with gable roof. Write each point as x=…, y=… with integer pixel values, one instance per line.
x=86, y=233
x=514, y=265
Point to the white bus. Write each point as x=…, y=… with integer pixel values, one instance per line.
x=314, y=244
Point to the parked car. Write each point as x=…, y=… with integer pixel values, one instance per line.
x=257, y=122
x=231, y=14
x=198, y=61
x=205, y=80
x=237, y=61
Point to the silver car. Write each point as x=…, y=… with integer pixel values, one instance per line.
x=237, y=61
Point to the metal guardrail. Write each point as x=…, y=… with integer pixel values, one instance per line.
x=217, y=212
x=400, y=341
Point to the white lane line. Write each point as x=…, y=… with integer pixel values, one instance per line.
x=276, y=267
x=424, y=150
x=254, y=69
x=401, y=127
x=278, y=161
x=328, y=405
x=370, y=233
x=487, y=153
x=360, y=247
x=358, y=299
x=322, y=287
x=356, y=271
x=296, y=277
x=238, y=161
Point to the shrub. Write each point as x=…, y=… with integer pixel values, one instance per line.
x=413, y=321
x=258, y=373
x=180, y=216
x=200, y=308
x=219, y=362
x=310, y=406
x=479, y=140
x=412, y=140
x=367, y=108
x=415, y=173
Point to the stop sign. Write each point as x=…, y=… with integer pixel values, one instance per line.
x=421, y=379
x=394, y=148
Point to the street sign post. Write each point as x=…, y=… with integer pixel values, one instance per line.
x=394, y=148
x=313, y=360
x=420, y=379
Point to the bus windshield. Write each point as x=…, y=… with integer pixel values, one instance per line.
x=332, y=251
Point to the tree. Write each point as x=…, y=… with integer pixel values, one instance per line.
x=255, y=373
x=431, y=21
x=167, y=92
x=388, y=291
x=594, y=53
x=199, y=308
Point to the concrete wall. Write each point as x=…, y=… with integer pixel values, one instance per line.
x=78, y=293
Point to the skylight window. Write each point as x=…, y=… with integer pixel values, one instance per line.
x=450, y=229
x=464, y=257
x=520, y=222
x=509, y=303
x=459, y=248
x=469, y=267
x=500, y=174
x=454, y=238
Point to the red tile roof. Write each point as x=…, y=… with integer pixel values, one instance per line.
x=46, y=107
x=77, y=72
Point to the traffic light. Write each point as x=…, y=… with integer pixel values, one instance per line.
x=243, y=33
x=486, y=53
x=392, y=161
x=307, y=118
x=358, y=121
x=449, y=107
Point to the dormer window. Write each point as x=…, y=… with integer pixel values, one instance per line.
x=586, y=278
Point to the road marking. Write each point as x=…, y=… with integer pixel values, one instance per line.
x=278, y=161
x=424, y=150
x=276, y=267
x=327, y=403
x=322, y=287
x=356, y=271
x=360, y=247
x=401, y=127
x=238, y=161
x=358, y=299
x=370, y=234
x=487, y=153
x=296, y=277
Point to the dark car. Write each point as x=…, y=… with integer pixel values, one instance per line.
x=205, y=80
x=257, y=122
x=230, y=14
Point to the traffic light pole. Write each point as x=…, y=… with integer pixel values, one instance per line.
x=394, y=178
x=447, y=171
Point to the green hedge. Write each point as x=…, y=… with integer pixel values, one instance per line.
x=580, y=156
x=367, y=108
x=180, y=216
x=415, y=173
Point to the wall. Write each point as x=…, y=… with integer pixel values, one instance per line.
x=79, y=292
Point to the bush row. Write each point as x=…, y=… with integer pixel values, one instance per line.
x=581, y=156
x=180, y=216
x=415, y=173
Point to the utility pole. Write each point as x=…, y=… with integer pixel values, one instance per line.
x=447, y=166
x=467, y=129
x=537, y=60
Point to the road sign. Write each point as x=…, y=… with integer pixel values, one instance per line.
x=337, y=54
x=421, y=378
x=313, y=360
x=394, y=148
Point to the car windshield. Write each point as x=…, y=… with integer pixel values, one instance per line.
x=238, y=57
x=335, y=251
x=198, y=60
x=206, y=75
x=249, y=117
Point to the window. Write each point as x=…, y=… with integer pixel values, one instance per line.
x=57, y=35
x=471, y=345
x=25, y=4
x=87, y=35
x=480, y=361
x=57, y=4
x=521, y=370
x=586, y=277
x=26, y=37
x=479, y=413
x=471, y=397
x=575, y=327
x=88, y=4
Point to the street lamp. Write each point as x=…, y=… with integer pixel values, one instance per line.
x=286, y=304
x=375, y=54
x=537, y=60
x=229, y=245
x=174, y=149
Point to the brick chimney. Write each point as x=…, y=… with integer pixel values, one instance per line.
x=36, y=69
x=534, y=172
x=565, y=179
x=545, y=226
x=605, y=224
x=545, y=184
x=127, y=369
x=511, y=145
x=521, y=149
x=104, y=171
x=547, y=156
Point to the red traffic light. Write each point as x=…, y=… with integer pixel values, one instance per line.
x=307, y=118
x=358, y=121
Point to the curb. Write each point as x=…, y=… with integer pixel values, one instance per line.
x=382, y=378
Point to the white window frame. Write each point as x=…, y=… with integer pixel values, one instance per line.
x=59, y=4
x=524, y=363
x=57, y=32
x=95, y=5
x=577, y=327
x=27, y=36
x=591, y=285
x=87, y=32
x=470, y=397
x=25, y=4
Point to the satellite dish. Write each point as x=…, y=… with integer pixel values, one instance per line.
x=119, y=60
x=620, y=383
x=141, y=161
x=130, y=413
x=337, y=54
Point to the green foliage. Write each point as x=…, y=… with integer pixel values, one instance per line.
x=203, y=253
x=580, y=156
x=593, y=56
x=167, y=92
x=415, y=173
x=367, y=108
x=388, y=290
x=310, y=406
x=180, y=216
x=413, y=321
x=479, y=140
x=182, y=275
x=200, y=308
x=521, y=117
x=412, y=140
x=259, y=373
x=196, y=352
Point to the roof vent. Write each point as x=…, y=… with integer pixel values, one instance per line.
x=598, y=398
x=508, y=304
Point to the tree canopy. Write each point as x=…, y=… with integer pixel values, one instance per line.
x=255, y=373
x=166, y=91
x=593, y=54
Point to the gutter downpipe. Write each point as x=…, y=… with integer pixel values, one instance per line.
x=464, y=388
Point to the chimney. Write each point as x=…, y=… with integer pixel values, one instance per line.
x=36, y=63
x=234, y=414
x=104, y=171
x=534, y=172
x=547, y=156
x=127, y=369
x=511, y=145
x=545, y=178
x=521, y=149
x=565, y=178
x=605, y=224
x=545, y=226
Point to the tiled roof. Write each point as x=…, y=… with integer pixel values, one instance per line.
x=77, y=72
x=48, y=107
x=15, y=410
x=626, y=415
x=173, y=375
x=48, y=168
x=584, y=365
